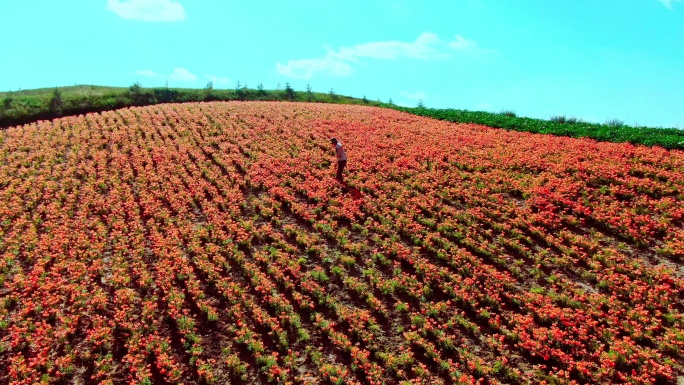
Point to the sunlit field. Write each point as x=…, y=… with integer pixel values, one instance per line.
x=210, y=243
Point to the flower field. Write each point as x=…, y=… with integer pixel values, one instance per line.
x=210, y=243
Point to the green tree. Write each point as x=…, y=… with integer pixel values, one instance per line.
x=166, y=95
x=365, y=100
x=209, y=90
x=615, y=123
x=420, y=104
x=289, y=92
x=245, y=91
x=136, y=88
x=309, y=93
x=136, y=93
x=240, y=91
x=260, y=90
x=7, y=103
x=56, y=103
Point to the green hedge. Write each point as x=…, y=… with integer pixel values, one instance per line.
x=670, y=138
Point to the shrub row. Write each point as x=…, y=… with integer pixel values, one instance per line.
x=612, y=131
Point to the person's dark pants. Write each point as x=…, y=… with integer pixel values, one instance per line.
x=340, y=167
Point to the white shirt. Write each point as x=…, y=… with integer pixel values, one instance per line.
x=339, y=150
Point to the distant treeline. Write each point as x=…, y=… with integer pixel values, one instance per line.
x=28, y=106
x=612, y=131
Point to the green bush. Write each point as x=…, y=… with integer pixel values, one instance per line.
x=615, y=123
x=289, y=92
x=613, y=131
x=56, y=103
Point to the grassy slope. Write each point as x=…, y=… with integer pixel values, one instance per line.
x=79, y=90
x=27, y=106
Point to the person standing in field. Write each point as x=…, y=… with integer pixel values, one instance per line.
x=341, y=158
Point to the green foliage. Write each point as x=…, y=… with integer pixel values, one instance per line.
x=670, y=138
x=209, y=89
x=615, y=123
x=56, y=103
x=309, y=93
x=289, y=92
x=165, y=95
x=240, y=91
x=333, y=95
x=139, y=96
x=7, y=103
x=135, y=88
x=562, y=119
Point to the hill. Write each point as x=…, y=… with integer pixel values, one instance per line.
x=210, y=243
x=29, y=106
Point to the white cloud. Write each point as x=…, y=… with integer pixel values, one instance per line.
x=148, y=73
x=418, y=95
x=305, y=68
x=179, y=74
x=148, y=10
x=668, y=3
x=427, y=46
x=462, y=43
x=183, y=75
x=218, y=79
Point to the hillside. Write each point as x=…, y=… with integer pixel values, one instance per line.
x=30, y=106
x=210, y=243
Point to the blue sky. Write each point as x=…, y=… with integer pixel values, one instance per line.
x=592, y=59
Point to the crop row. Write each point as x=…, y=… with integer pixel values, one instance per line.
x=209, y=242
